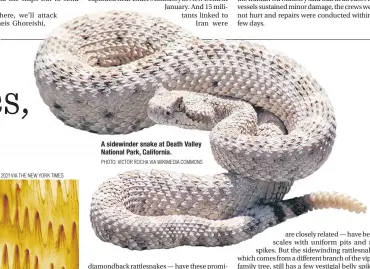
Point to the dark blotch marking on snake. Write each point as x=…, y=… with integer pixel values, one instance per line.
x=108, y=115
x=278, y=212
x=57, y=106
x=148, y=43
x=298, y=206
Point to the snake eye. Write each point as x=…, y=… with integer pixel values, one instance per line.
x=179, y=104
x=168, y=113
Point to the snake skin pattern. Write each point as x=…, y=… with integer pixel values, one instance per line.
x=120, y=72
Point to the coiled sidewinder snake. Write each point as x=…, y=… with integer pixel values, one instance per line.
x=271, y=123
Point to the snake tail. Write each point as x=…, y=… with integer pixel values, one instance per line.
x=272, y=214
x=123, y=216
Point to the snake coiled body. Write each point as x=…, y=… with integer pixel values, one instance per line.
x=99, y=72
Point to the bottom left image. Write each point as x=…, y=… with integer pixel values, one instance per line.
x=39, y=224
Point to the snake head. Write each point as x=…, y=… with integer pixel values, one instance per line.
x=182, y=109
x=165, y=106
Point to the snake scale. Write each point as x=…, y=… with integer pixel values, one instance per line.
x=271, y=123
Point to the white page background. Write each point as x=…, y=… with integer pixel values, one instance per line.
x=41, y=143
